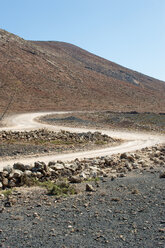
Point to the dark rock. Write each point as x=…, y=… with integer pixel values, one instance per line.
x=89, y=188
x=19, y=166
x=162, y=174
x=75, y=179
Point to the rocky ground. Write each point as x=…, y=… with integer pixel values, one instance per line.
x=118, y=201
x=117, y=120
x=111, y=201
x=126, y=212
x=44, y=141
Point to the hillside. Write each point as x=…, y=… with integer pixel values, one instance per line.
x=60, y=76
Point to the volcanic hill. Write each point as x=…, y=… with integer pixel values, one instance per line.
x=50, y=75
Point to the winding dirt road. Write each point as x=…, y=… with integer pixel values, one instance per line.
x=133, y=140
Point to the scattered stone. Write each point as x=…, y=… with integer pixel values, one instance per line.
x=115, y=199
x=135, y=192
x=75, y=179
x=8, y=204
x=123, y=156
x=89, y=188
x=162, y=174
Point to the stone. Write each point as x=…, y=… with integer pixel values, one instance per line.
x=113, y=177
x=157, y=154
x=5, y=173
x=53, y=172
x=8, y=204
x=134, y=166
x=122, y=175
x=141, y=162
x=74, y=167
x=94, y=174
x=39, y=165
x=57, y=166
x=28, y=167
x=145, y=165
x=129, y=167
x=8, y=168
x=15, y=174
x=83, y=175
x=5, y=182
x=19, y=166
x=75, y=179
x=137, y=156
x=38, y=174
x=12, y=183
x=130, y=158
x=35, y=215
x=51, y=163
x=162, y=174
x=46, y=168
x=89, y=188
x=27, y=173
x=123, y=156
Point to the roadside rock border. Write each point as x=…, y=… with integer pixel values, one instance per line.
x=78, y=170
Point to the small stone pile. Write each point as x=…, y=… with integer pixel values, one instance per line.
x=78, y=170
x=46, y=135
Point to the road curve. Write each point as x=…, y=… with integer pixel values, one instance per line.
x=134, y=140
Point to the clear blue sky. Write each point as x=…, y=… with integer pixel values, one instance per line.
x=128, y=32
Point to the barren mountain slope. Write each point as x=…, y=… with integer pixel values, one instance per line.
x=61, y=76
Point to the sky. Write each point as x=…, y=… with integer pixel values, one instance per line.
x=128, y=32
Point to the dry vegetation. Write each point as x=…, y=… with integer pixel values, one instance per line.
x=56, y=75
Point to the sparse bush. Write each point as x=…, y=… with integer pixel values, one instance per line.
x=7, y=192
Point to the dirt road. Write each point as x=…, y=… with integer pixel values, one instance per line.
x=133, y=140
